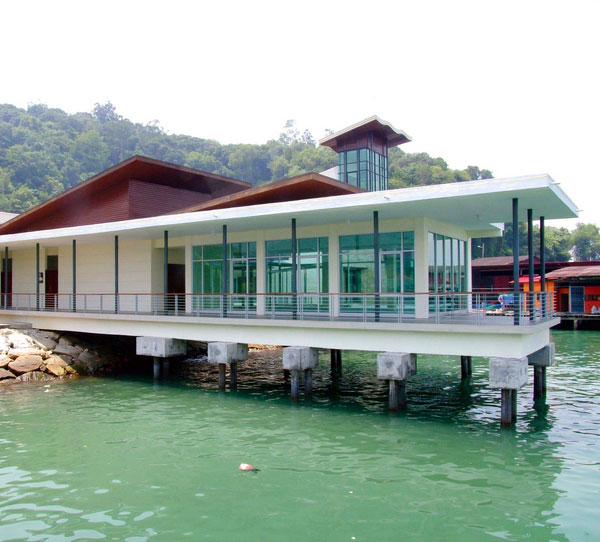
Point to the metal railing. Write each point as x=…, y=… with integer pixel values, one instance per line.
x=477, y=308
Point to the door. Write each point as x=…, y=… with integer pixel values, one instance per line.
x=576, y=293
x=51, y=282
x=6, y=284
x=176, y=285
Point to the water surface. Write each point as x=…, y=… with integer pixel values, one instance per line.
x=133, y=460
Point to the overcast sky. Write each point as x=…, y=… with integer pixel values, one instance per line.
x=512, y=86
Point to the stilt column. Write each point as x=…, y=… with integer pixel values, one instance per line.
x=540, y=359
x=466, y=369
x=508, y=374
x=336, y=363
x=220, y=353
x=396, y=368
x=300, y=358
x=160, y=348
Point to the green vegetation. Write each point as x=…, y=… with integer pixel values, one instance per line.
x=44, y=151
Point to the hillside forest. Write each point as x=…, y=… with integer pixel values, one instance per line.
x=44, y=151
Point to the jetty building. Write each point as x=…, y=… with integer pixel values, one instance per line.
x=332, y=260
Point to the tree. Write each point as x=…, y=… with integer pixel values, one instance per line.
x=105, y=112
x=91, y=152
x=586, y=242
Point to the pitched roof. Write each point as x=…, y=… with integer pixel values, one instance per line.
x=499, y=261
x=579, y=272
x=109, y=185
x=372, y=124
x=301, y=187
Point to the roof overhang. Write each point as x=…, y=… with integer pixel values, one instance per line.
x=372, y=124
x=474, y=206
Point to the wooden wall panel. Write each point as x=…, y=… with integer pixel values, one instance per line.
x=150, y=199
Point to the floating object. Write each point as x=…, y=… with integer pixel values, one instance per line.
x=244, y=467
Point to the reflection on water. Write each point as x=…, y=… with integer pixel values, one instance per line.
x=130, y=459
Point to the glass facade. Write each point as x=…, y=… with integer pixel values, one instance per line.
x=208, y=276
x=312, y=272
x=364, y=168
x=396, y=270
x=447, y=271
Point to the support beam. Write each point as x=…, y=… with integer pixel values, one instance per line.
x=540, y=359
x=545, y=298
x=222, y=368
x=37, y=276
x=396, y=368
x=5, y=281
x=376, y=260
x=116, y=274
x=300, y=358
x=466, y=369
x=530, y=257
x=515, y=248
x=508, y=374
x=74, y=308
x=295, y=386
x=166, y=272
x=225, y=286
x=294, y=271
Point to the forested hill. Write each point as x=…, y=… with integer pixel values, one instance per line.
x=43, y=151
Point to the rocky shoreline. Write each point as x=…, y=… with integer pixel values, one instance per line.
x=32, y=355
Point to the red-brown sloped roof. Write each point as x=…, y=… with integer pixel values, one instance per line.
x=580, y=272
x=306, y=186
x=135, y=188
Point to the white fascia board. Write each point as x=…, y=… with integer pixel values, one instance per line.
x=331, y=209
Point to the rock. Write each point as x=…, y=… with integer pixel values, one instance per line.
x=25, y=364
x=50, y=334
x=41, y=338
x=14, y=353
x=58, y=360
x=19, y=340
x=89, y=361
x=6, y=374
x=34, y=376
x=54, y=368
x=4, y=361
x=64, y=346
x=4, y=344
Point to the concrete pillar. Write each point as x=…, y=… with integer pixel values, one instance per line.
x=300, y=358
x=295, y=384
x=222, y=368
x=421, y=255
x=396, y=368
x=540, y=359
x=221, y=353
x=508, y=374
x=466, y=369
x=156, y=368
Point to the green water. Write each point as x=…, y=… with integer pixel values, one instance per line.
x=127, y=459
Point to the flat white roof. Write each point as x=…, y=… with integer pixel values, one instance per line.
x=473, y=205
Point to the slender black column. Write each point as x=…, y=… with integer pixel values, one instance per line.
x=5, y=282
x=294, y=271
x=116, y=274
x=37, y=276
x=166, y=272
x=74, y=275
x=515, y=222
x=376, y=258
x=531, y=264
x=225, y=282
x=543, y=267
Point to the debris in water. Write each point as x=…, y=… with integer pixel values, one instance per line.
x=244, y=467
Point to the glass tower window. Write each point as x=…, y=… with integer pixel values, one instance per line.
x=364, y=168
